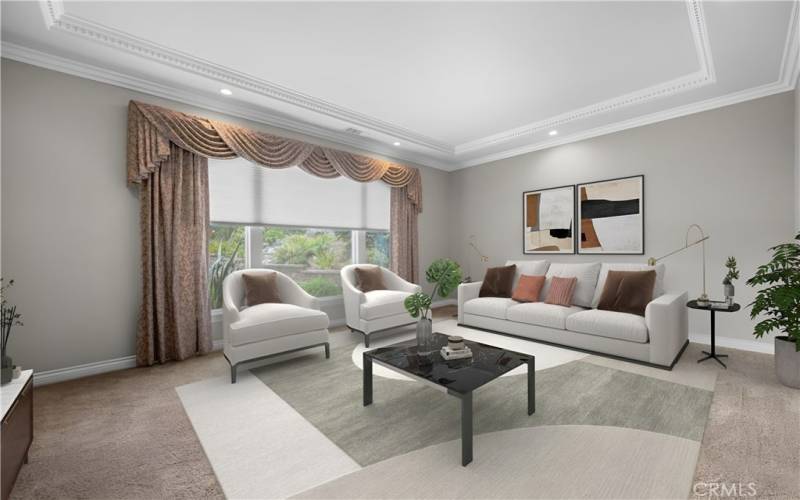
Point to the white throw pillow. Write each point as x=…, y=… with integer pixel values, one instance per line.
x=528, y=268
x=658, y=290
x=587, y=280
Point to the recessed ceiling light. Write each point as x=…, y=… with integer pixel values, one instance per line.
x=553, y=132
x=396, y=143
x=226, y=91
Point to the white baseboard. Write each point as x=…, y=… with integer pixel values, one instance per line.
x=741, y=344
x=72, y=372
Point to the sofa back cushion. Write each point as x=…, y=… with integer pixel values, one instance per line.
x=586, y=274
x=529, y=288
x=498, y=281
x=658, y=289
x=561, y=291
x=628, y=291
x=529, y=268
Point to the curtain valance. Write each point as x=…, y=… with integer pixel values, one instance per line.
x=151, y=129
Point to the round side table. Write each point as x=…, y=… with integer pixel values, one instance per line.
x=692, y=304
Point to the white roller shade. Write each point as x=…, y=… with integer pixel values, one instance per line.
x=241, y=192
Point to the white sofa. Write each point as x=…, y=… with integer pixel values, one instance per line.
x=265, y=330
x=657, y=339
x=377, y=310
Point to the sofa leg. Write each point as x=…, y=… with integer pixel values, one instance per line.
x=327, y=350
x=366, y=340
x=233, y=374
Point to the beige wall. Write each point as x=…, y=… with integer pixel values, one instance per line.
x=70, y=223
x=730, y=170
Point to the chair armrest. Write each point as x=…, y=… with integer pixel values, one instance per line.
x=467, y=291
x=353, y=298
x=667, y=323
x=292, y=293
x=395, y=282
x=230, y=312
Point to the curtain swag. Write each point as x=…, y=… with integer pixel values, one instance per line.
x=151, y=129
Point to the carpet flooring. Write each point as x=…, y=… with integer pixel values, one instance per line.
x=125, y=434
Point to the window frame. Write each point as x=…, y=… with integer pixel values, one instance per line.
x=253, y=241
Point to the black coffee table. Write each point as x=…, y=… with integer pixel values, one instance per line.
x=456, y=377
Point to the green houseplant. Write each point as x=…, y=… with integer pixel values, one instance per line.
x=9, y=317
x=731, y=276
x=444, y=275
x=778, y=300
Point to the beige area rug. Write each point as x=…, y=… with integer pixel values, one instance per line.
x=601, y=430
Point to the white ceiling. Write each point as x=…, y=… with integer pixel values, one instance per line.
x=456, y=84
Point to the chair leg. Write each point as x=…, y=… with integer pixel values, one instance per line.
x=233, y=374
x=327, y=350
x=366, y=340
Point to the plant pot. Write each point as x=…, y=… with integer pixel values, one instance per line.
x=425, y=342
x=6, y=370
x=787, y=362
x=729, y=289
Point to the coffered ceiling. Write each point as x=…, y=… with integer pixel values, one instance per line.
x=448, y=84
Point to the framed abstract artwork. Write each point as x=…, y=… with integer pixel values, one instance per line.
x=548, y=219
x=611, y=216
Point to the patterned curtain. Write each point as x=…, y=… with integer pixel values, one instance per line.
x=168, y=155
x=174, y=319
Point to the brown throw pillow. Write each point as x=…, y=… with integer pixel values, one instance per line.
x=628, y=291
x=561, y=291
x=498, y=281
x=261, y=288
x=528, y=289
x=369, y=279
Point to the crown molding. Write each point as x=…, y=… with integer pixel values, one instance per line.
x=704, y=76
x=689, y=109
x=442, y=155
x=186, y=96
x=56, y=18
x=790, y=63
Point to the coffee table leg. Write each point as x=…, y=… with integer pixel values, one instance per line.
x=531, y=385
x=466, y=429
x=367, y=363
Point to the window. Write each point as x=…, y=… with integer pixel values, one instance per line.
x=311, y=257
x=226, y=254
x=378, y=248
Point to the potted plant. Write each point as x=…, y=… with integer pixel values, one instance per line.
x=445, y=276
x=9, y=317
x=779, y=301
x=730, y=277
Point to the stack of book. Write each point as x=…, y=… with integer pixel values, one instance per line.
x=456, y=349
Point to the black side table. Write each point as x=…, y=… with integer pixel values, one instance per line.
x=692, y=304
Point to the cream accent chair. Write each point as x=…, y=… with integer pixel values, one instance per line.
x=377, y=310
x=265, y=330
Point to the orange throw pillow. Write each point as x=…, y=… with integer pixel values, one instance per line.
x=528, y=288
x=561, y=290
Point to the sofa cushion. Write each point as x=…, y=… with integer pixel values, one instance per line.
x=561, y=291
x=628, y=291
x=270, y=321
x=614, y=325
x=382, y=303
x=587, y=280
x=369, y=278
x=529, y=288
x=529, y=268
x=497, y=282
x=491, y=307
x=539, y=313
x=260, y=288
x=658, y=290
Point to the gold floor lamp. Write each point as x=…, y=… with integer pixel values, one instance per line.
x=702, y=300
